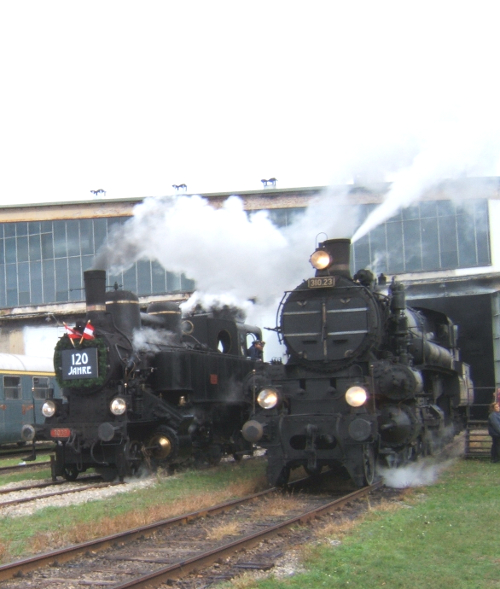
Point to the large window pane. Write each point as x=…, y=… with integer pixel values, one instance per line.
x=24, y=283
x=395, y=242
x=86, y=237
x=22, y=249
x=11, y=284
x=35, y=247
x=36, y=283
x=75, y=280
x=47, y=246
x=49, y=281
x=73, y=238
x=60, y=247
x=412, y=247
x=62, y=290
x=143, y=277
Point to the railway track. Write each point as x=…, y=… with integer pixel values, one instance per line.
x=22, y=497
x=24, y=466
x=170, y=549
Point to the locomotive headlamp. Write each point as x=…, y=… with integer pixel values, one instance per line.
x=268, y=398
x=320, y=259
x=118, y=406
x=48, y=408
x=356, y=396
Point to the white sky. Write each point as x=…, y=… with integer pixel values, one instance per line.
x=133, y=97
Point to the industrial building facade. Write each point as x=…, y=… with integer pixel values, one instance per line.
x=42, y=261
x=440, y=246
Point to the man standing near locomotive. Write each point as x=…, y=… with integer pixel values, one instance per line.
x=256, y=350
x=494, y=431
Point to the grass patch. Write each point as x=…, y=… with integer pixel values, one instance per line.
x=54, y=527
x=444, y=535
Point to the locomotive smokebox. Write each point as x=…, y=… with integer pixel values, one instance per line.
x=333, y=257
x=95, y=292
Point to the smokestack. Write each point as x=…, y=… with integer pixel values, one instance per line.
x=340, y=254
x=95, y=292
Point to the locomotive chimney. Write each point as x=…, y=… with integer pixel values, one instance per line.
x=95, y=292
x=339, y=251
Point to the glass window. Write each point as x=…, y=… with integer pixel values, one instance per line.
x=62, y=289
x=35, y=248
x=143, y=277
x=12, y=387
x=430, y=244
x=22, y=249
x=10, y=251
x=36, y=283
x=41, y=388
x=21, y=229
x=47, y=246
x=73, y=238
x=33, y=227
x=11, y=284
x=10, y=229
x=60, y=247
x=412, y=247
x=76, y=291
x=395, y=242
x=158, y=276
x=86, y=236
x=49, y=282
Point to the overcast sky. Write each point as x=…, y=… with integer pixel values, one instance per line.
x=132, y=97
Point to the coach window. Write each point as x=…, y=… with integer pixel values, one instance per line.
x=40, y=388
x=12, y=387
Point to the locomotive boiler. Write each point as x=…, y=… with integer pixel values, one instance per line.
x=367, y=379
x=147, y=388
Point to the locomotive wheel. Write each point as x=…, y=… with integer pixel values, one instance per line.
x=369, y=464
x=70, y=473
x=162, y=446
x=135, y=458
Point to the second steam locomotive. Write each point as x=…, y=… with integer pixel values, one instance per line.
x=367, y=379
x=147, y=387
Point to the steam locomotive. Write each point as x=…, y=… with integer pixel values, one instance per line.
x=367, y=379
x=150, y=387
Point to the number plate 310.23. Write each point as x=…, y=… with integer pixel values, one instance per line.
x=321, y=282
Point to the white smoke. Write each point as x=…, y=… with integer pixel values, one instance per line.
x=235, y=258
x=425, y=471
x=151, y=340
x=454, y=149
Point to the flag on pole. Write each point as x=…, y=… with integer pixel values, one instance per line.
x=72, y=333
x=88, y=332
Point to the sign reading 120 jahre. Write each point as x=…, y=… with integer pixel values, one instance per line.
x=79, y=363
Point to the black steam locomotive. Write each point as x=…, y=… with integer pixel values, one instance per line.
x=148, y=387
x=367, y=379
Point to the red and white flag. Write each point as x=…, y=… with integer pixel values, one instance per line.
x=72, y=333
x=88, y=332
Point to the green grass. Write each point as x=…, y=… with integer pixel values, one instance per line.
x=446, y=537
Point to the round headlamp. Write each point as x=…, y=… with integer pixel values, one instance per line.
x=48, y=408
x=320, y=259
x=268, y=398
x=118, y=406
x=356, y=396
